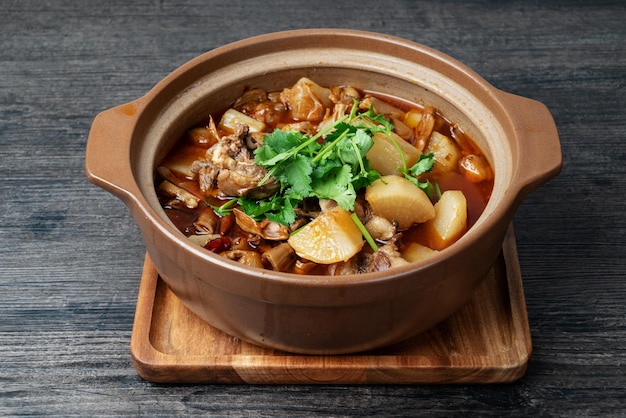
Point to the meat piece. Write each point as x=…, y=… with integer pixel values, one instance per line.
x=380, y=228
x=343, y=100
x=249, y=258
x=257, y=104
x=391, y=255
x=229, y=166
x=266, y=229
x=386, y=257
x=378, y=261
x=207, y=173
x=350, y=266
x=306, y=100
x=344, y=95
x=249, y=100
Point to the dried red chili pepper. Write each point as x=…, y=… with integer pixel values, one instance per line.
x=218, y=245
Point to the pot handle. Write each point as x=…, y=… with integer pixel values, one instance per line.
x=538, y=140
x=107, y=156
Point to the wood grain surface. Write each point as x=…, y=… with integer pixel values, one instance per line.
x=71, y=256
x=486, y=341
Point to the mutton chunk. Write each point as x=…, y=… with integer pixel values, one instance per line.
x=229, y=167
x=385, y=258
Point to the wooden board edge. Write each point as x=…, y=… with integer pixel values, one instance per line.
x=155, y=366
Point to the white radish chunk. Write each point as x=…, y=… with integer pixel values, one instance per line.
x=232, y=117
x=417, y=252
x=398, y=200
x=385, y=157
x=330, y=238
x=445, y=150
x=450, y=221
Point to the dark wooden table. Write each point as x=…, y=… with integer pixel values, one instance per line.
x=71, y=255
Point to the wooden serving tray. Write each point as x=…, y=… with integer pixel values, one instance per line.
x=486, y=341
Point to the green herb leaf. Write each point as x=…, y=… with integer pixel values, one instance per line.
x=377, y=119
x=278, y=146
x=365, y=177
x=277, y=208
x=423, y=165
x=224, y=209
x=285, y=214
x=336, y=185
x=354, y=150
x=334, y=167
x=296, y=172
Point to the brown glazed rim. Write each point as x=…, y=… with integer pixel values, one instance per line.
x=113, y=131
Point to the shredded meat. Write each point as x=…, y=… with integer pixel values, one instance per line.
x=229, y=166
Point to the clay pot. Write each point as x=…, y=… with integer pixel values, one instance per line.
x=317, y=314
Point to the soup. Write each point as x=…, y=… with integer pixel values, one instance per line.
x=324, y=180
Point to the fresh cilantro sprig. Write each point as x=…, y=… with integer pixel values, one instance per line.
x=423, y=165
x=225, y=208
x=328, y=165
x=366, y=234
